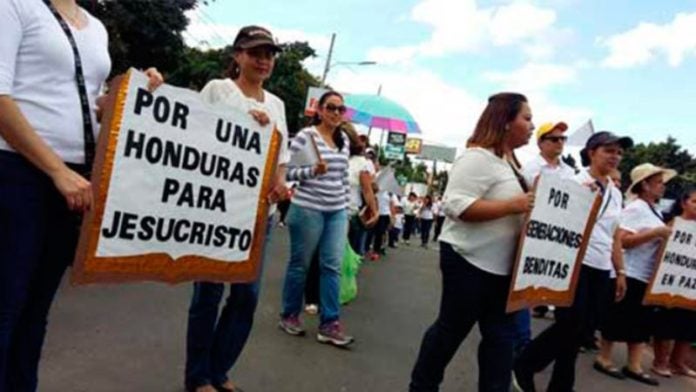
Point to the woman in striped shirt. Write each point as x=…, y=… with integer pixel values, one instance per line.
x=318, y=221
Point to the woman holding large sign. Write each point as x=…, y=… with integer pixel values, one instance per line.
x=318, y=220
x=485, y=201
x=214, y=343
x=675, y=330
x=642, y=231
x=54, y=61
x=561, y=341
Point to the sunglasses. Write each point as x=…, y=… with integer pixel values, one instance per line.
x=556, y=139
x=261, y=52
x=336, y=109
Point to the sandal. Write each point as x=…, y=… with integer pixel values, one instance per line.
x=640, y=377
x=684, y=371
x=610, y=370
x=663, y=372
x=222, y=388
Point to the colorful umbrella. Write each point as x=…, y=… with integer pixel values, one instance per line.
x=379, y=112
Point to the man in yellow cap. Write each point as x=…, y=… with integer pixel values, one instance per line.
x=551, y=139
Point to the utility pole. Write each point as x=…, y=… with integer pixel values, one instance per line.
x=328, y=60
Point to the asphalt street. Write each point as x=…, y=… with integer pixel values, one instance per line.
x=131, y=337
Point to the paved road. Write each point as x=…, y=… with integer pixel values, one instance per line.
x=131, y=337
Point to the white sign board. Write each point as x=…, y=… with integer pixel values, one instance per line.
x=553, y=243
x=182, y=186
x=674, y=283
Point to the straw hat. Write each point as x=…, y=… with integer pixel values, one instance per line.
x=647, y=170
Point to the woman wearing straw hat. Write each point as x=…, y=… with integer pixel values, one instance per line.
x=675, y=330
x=560, y=342
x=642, y=231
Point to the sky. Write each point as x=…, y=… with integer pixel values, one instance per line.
x=630, y=66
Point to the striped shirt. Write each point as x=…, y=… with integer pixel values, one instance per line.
x=327, y=192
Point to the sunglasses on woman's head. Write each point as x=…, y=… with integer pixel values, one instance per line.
x=555, y=139
x=336, y=109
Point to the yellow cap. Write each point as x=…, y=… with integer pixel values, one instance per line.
x=549, y=127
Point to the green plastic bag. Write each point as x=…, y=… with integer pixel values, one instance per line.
x=349, y=273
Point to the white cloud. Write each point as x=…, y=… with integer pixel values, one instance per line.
x=534, y=77
x=647, y=41
x=462, y=26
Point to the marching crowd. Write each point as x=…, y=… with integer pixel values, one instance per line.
x=54, y=62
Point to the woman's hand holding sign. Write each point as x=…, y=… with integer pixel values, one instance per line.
x=522, y=203
x=260, y=116
x=76, y=190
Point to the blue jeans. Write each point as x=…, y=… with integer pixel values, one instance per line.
x=523, y=326
x=311, y=230
x=214, y=344
x=469, y=296
x=38, y=236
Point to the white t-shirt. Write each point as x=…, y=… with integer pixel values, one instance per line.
x=226, y=93
x=409, y=207
x=399, y=221
x=438, y=209
x=640, y=261
x=479, y=174
x=427, y=212
x=539, y=165
x=384, y=202
x=356, y=165
x=37, y=70
x=599, y=250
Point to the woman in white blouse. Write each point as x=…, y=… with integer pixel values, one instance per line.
x=485, y=201
x=48, y=128
x=560, y=342
x=642, y=231
x=216, y=337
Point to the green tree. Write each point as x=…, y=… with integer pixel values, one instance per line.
x=197, y=67
x=667, y=154
x=143, y=33
x=291, y=81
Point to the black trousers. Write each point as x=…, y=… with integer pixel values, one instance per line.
x=409, y=222
x=426, y=225
x=38, y=237
x=469, y=296
x=560, y=342
x=380, y=231
x=439, y=221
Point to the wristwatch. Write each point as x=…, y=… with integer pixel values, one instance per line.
x=621, y=272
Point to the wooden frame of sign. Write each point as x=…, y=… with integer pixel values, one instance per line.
x=665, y=299
x=89, y=268
x=531, y=296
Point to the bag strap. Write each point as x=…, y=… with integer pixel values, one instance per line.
x=88, y=129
